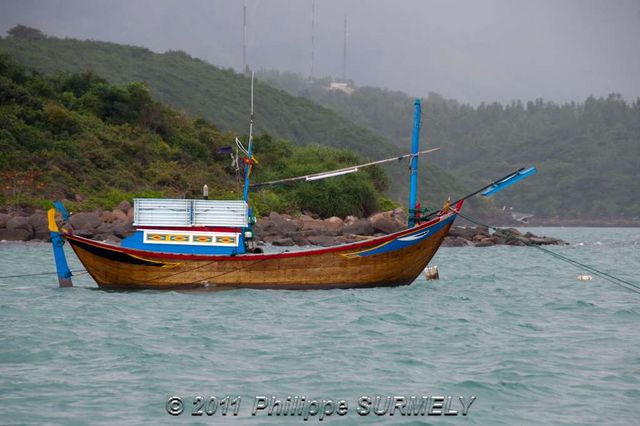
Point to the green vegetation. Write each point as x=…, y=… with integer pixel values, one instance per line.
x=331, y=197
x=222, y=97
x=78, y=137
x=588, y=155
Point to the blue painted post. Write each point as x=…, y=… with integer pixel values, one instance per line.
x=57, y=241
x=62, y=268
x=415, y=147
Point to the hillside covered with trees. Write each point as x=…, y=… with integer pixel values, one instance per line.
x=222, y=96
x=587, y=154
x=80, y=138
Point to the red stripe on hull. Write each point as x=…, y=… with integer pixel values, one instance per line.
x=252, y=257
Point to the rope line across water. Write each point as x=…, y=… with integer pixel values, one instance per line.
x=604, y=275
x=81, y=271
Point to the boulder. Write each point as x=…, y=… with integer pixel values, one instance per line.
x=85, y=221
x=283, y=242
x=487, y=242
x=322, y=240
x=510, y=236
x=40, y=225
x=14, y=235
x=106, y=237
x=387, y=222
x=284, y=225
x=352, y=238
x=349, y=220
x=400, y=216
x=308, y=223
x=450, y=241
x=333, y=225
x=508, y=232
x=4, y=218
x=124, y=206
x=262, y=228
x=107, y=217
x=39, y=222
x=478, y=237
x=341, y=240
x=20, y=223
x=119, y=216
x=468, y=233
x=299, y=239
x=310, y=214
x=359, y=227
x=105, y=228
x=541, y=241
x=123, y=230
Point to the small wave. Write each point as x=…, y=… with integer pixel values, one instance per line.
x=582, y=304
x=625, y=313
x=475, y=386
x=530, y=326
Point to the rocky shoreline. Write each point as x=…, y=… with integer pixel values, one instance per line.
x=275, y=229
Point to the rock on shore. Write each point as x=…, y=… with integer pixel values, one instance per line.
x=276, y=229
x=100, y=225
x=285, y=230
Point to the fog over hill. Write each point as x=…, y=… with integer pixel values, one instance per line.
x=467, y=50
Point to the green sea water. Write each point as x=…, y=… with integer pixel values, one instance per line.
x=509, y=325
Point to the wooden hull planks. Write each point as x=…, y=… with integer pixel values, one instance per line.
x=392, y=260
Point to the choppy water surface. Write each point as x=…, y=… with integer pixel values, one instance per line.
x=508, y=324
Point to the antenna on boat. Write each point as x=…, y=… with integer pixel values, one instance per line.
x=313, y=37
x=344, y=52
x=415, y=147
x=249, y=160
x=244, y=37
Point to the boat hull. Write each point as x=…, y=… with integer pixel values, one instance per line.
x=392, y=260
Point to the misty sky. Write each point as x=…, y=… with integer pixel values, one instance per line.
x=469, y=50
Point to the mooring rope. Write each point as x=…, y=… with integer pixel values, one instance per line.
x=79, y=272
x=602, y=274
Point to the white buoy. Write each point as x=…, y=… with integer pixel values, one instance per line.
x=584, y=277
x=431, y=273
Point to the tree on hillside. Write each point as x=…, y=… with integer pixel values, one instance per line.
x=29, y=33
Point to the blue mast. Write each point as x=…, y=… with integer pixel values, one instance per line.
x=415, y=147
x=247, y=169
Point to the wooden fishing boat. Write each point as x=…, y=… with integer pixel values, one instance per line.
x=180, y=243
x=391, y=260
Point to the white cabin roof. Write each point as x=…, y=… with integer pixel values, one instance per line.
x=189, y=213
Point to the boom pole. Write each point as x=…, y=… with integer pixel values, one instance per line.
x=340, y=172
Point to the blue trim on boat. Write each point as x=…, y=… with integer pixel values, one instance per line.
x=136, y=241
x=508, y=181
x=408, y=239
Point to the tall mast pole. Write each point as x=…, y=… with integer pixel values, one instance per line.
x=313, y=37
x=249, y=162
x=244, y=37
x=344, y=57
x=415, y=147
